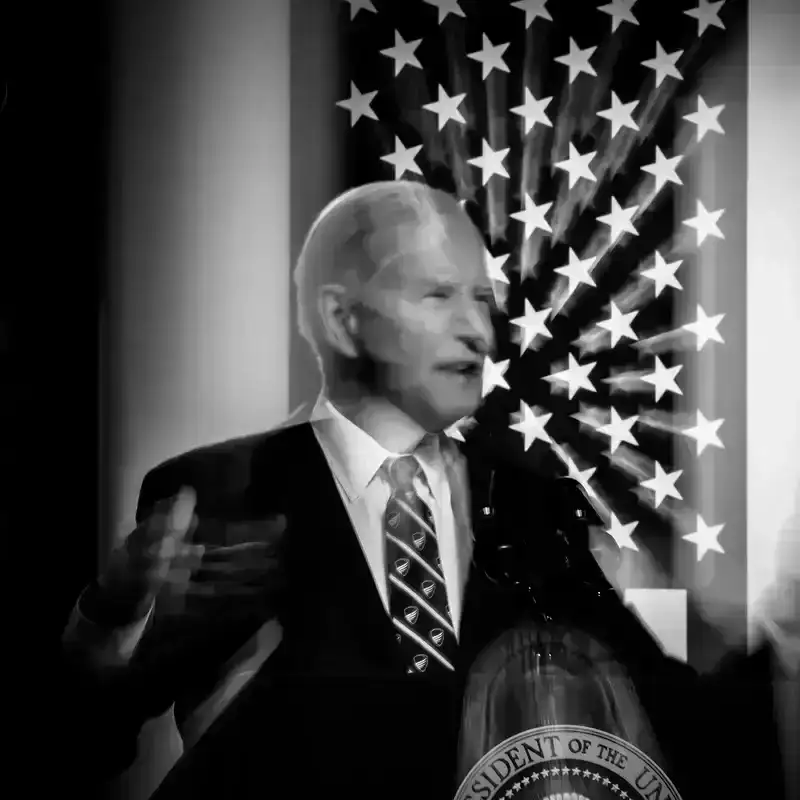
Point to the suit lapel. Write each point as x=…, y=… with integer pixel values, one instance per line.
x=460, y=493
x=471, y=479
x=331, y=590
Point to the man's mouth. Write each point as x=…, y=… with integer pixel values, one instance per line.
x=468, y=369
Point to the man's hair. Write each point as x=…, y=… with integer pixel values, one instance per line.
x=361, y=231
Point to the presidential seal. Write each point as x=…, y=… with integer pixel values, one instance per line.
x=566, y=762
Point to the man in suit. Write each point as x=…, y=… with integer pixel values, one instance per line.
x=353, y=529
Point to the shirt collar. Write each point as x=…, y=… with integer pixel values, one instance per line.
x=358, y=457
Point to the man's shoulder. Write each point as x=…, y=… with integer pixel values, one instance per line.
x=238, y=448
x=226, y=467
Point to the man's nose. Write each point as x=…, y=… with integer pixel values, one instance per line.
x=474, y=328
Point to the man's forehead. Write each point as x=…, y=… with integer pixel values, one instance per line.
x=403, y=236
x=446, y=250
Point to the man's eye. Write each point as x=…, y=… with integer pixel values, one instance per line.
x=439, y=294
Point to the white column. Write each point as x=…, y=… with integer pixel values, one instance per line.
x=714, y=379
x=773, y=296
x=198, y=311
x=196, y=345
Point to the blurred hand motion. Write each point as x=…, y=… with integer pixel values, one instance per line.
x=159, y=561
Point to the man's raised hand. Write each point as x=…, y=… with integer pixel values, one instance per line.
x=159, y=560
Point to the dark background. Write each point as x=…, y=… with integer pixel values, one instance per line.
x=54, y=61
x=53, y=139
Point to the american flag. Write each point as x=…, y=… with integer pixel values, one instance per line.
x=600, y=148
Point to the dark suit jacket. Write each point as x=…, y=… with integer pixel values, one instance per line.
x=332, y=711
x=740, y=748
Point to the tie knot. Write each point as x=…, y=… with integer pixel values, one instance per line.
x=402, y=472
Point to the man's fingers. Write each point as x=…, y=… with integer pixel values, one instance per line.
x=235, y=551
x=177, y=522
x=188, y=557
x=213, y=590
x=171, y=516
x=266, y=531
x=224, y=570
x=239, y=588
x=181, y=512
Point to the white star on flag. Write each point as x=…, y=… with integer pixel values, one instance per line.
x=533, y=216
x=619, y=114
x=403, y=158
x=705, y=223
x=358, y=5
x=577, y=60
x=577, y=165
x=490, y=162
x=663, y=484
x=581, y=476
x=592, y=416
x=663, y=379
x=491, y=57
x=533, y=110
x=577, y=270
x=619, y=430
x=664, y=64
x=533, y=9
x=663, y=273
x=532, y=324
x=531, y=425
x=446, y=7
x=619, y=220
x=705, y=328
x=621, y=534
x=620, y=11
x=493, y=375
x=446, y=107
x=494, y=267
x=706, y=118
x=358, y=104
x=403, y=53
x=576, y=376
x=706, y=14
x=664, y=169
x=705, y=433
x=706, y=537
x=619, y=324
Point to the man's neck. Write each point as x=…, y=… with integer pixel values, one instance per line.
x=392, y=428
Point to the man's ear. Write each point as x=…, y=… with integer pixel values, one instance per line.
x=339, y=321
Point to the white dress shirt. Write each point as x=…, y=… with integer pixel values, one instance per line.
x=356, y=461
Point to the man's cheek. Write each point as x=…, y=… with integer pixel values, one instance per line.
x=382, y=340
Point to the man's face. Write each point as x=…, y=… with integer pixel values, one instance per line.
x=424, y=321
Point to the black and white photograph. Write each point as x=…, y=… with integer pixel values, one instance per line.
x=400, y=400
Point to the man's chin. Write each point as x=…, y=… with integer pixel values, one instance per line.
x=436, y=411
x=449, y=416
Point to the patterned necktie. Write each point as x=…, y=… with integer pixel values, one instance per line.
x=417, y=594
